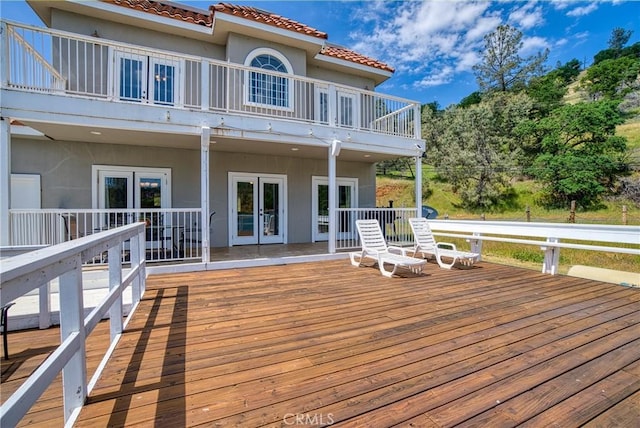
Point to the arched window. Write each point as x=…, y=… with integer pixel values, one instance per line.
x=267, y=88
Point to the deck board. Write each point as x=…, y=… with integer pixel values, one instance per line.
x=489, y=346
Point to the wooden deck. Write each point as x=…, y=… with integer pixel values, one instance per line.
x=327, y=343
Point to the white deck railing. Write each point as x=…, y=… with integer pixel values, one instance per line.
x=394, y=223
x=549, y=237
x=24, y=273
x=90, y=67
x=171, y=233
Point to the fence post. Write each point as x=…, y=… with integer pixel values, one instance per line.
x=572, y=213
x=528, y=213
x=74, y=373
x=624, y=215
x=483, y=217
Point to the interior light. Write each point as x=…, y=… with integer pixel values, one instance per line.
x=96, y=132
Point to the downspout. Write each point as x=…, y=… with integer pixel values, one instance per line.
x=204, y=192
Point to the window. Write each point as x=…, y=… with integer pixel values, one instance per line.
x=269, y=89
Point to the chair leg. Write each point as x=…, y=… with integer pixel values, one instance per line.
x=3, y=324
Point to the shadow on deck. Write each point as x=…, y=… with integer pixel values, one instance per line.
x=327, y=343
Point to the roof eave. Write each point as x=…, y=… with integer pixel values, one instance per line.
x=377, y=74
x=219, y=19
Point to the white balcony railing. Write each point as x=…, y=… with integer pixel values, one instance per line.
x=171, y=234
x=24, y=273
x=42, y=60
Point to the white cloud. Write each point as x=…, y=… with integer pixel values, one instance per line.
x=583, y=10
x=527, y=16
x=432, y=38
x=531, y=45
x=441, y=77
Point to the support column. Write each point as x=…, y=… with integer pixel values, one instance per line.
x=334, y=151
x=419, y=185
x=5, y=179
x=204, y=192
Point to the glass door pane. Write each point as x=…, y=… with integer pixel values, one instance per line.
x=347, y=110
x=132, y=77
x=244, y=210
x=345, y=200
x=164, y=78
x=271, y=210
x=115, y=192
x=323, y=209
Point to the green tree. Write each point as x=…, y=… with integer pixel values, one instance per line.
x=471, y=99
x=475, y=148
x=502, y=68
x=612, y=78
x=580, y=157
x=619, y=38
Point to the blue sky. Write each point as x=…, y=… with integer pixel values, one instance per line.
x=434, y=44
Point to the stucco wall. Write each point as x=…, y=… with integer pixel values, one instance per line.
x=316, y=72
x=65, y=169
x=108, y=30
x=239, y=46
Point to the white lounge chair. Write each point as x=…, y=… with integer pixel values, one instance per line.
x=426, y=245
x=375, y=247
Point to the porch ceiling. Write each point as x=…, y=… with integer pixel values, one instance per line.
x=93, y=134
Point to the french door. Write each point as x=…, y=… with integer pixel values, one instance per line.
x=345, y=110
x=257, y=209
x=347, y=198
x=142, y=78
x=126, y=188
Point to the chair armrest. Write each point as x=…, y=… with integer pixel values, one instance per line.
x=398, y=250
x=447, y=246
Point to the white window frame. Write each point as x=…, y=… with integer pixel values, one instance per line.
x=321, y=90
x=355, y=117
x=232, y=209
x=148, y=77
x=97, y=191
x=247, y=79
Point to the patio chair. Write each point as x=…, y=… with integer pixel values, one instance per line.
x=426, y=245
x=375, y=247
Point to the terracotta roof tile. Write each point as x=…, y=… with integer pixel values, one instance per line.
x=166, y=9
x=262, y=16
x=171, y=10
x=349, y=55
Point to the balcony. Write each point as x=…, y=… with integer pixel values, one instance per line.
x=46, y=61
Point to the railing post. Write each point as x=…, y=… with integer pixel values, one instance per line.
x=205, y=82
x=418, y=160
x=74, y=373
x=136, y=253
x=476, y=244
x=44, y=299
x=551, y=257
x=332, y=108
x=115, y=279
x=5, y=59
x=417, y=122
